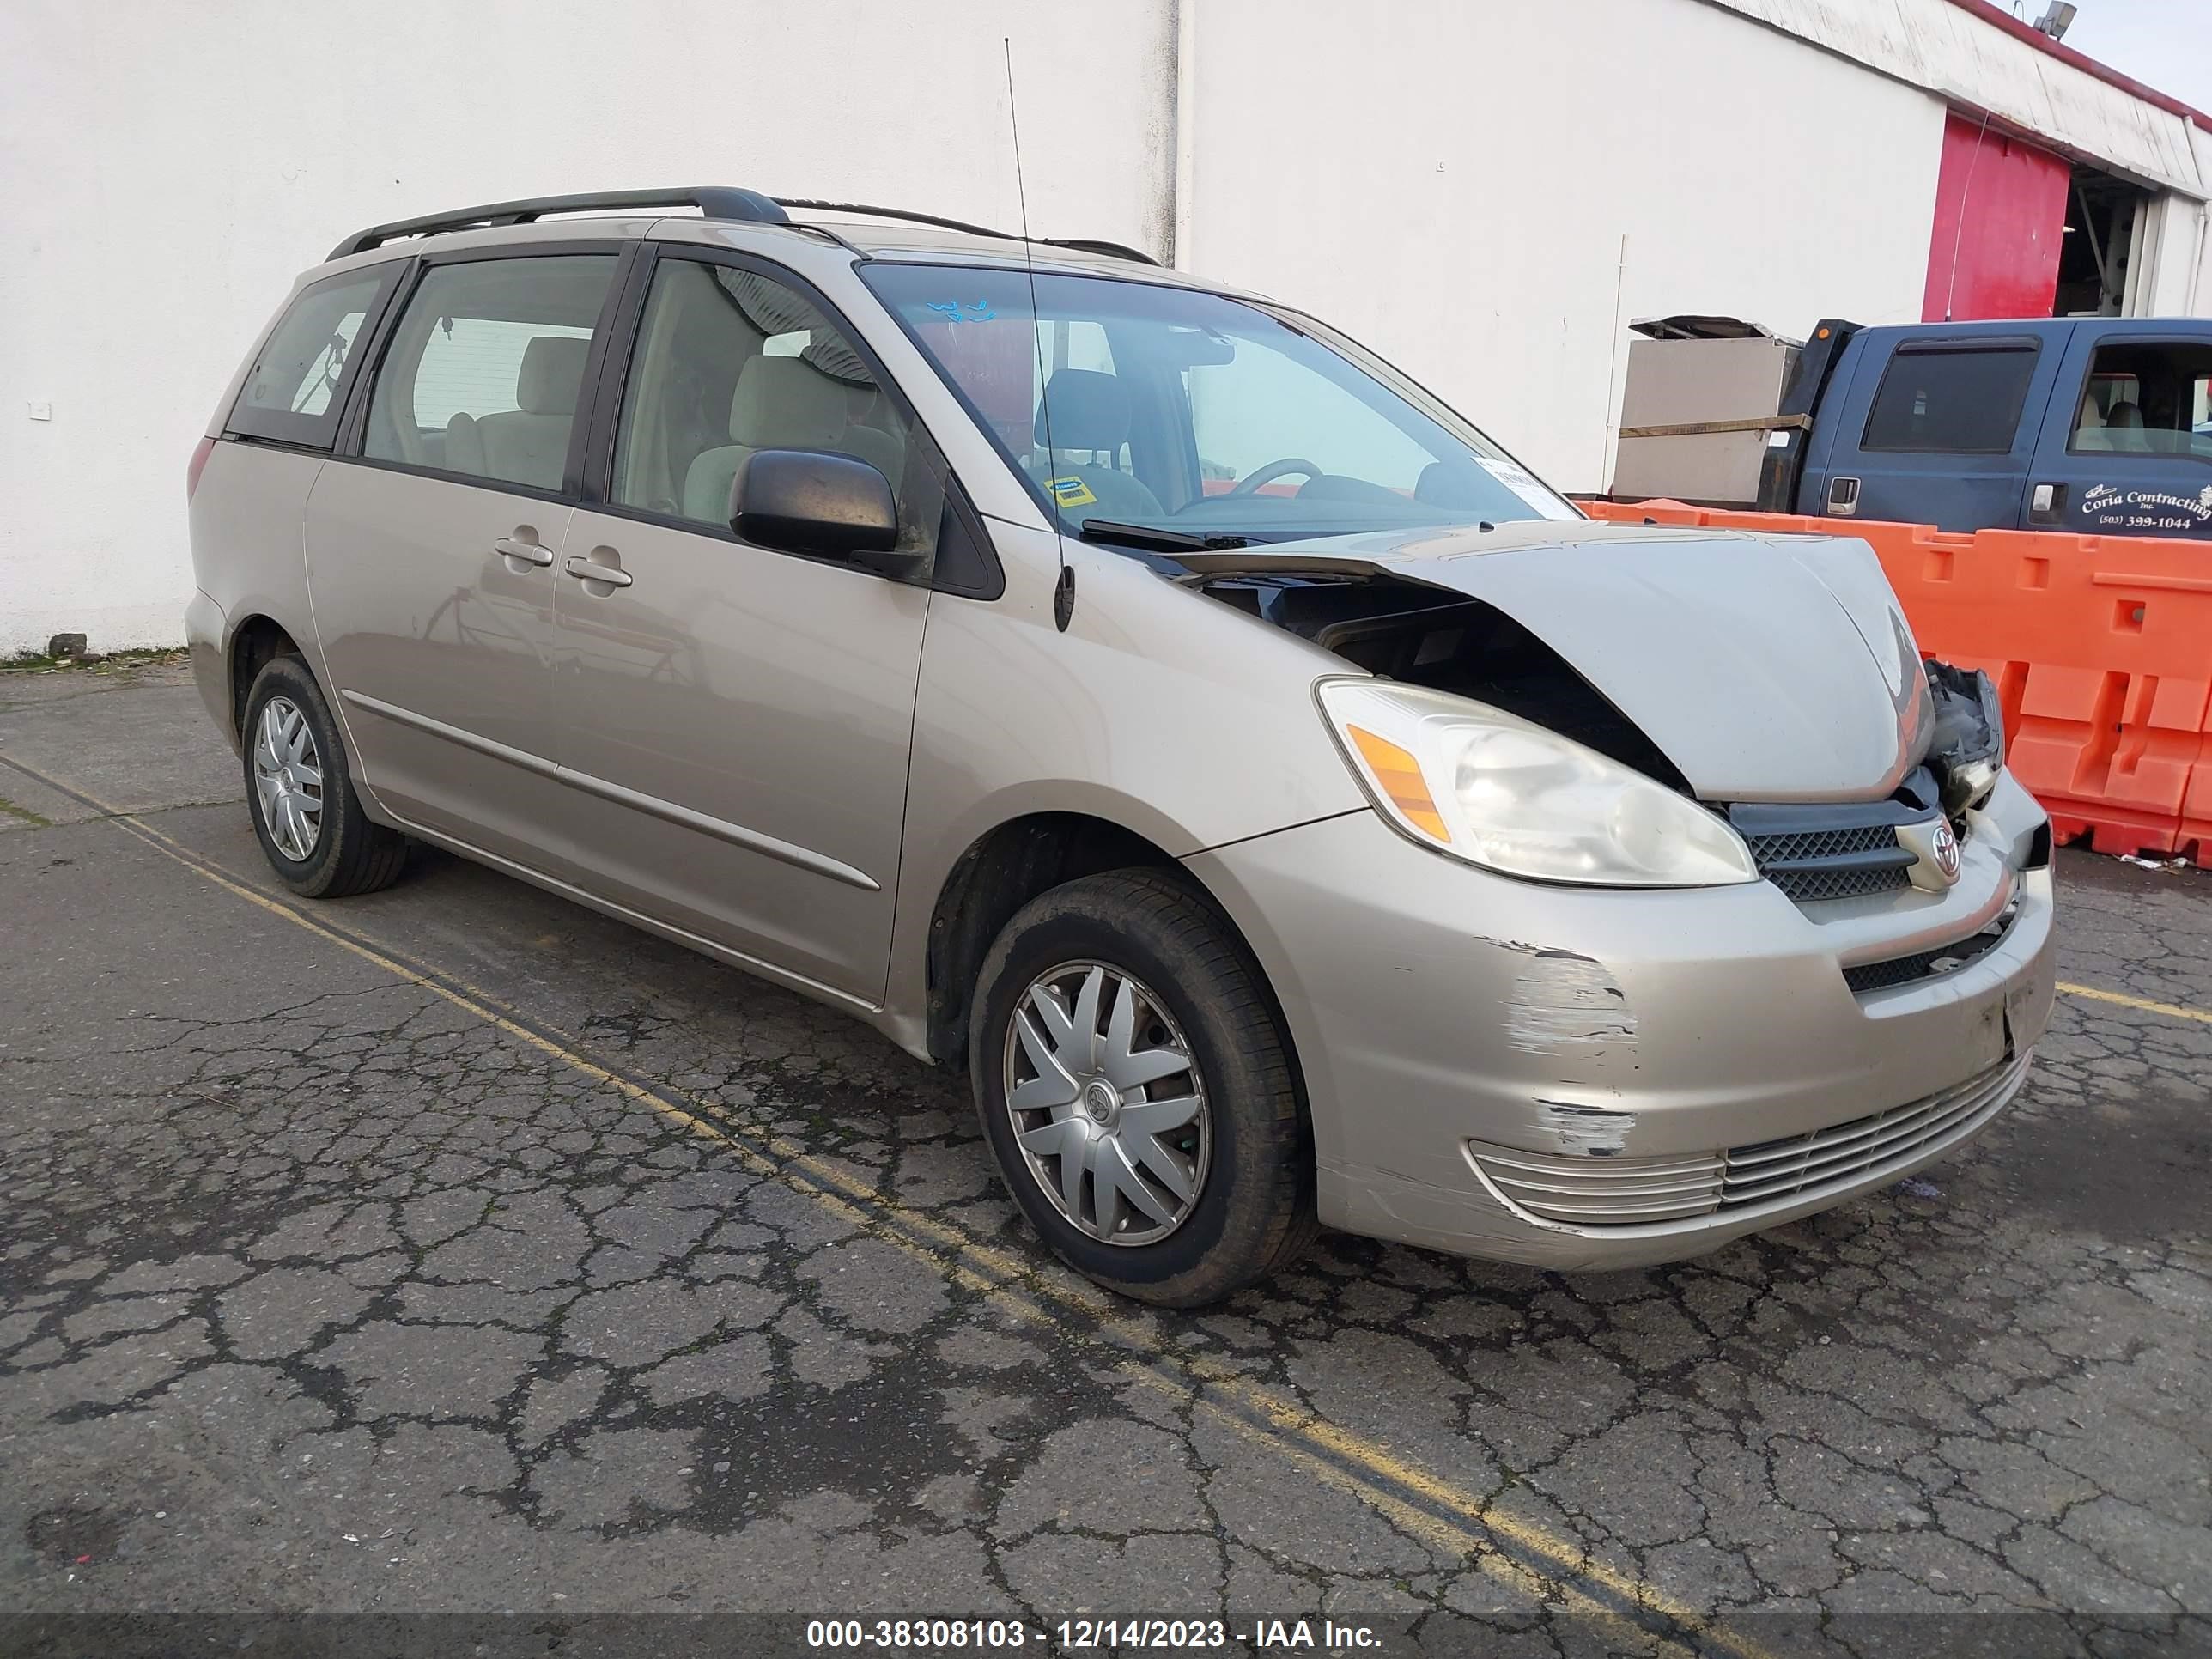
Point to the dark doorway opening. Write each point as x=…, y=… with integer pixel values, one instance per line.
x=2102, y=243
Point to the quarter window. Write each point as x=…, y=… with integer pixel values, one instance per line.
x=730, y=360
x=296, y=385
x=1951, y=400
x=486, y=369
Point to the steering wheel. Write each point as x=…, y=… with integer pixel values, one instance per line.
x=1272, y=471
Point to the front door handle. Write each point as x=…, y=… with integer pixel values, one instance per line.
x=588, y=570
x=529, y=552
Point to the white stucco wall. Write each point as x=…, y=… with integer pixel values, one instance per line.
x=1453, y=188
x=169, y=169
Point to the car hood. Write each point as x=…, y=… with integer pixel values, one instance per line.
x=1766, y=667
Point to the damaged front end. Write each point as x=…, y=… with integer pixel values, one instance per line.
x=1966, y=750
x=1772, y=690
x=1843, y=985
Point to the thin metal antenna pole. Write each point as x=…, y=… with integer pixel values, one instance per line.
x=1063, y=593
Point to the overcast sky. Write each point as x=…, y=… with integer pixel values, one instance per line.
x=2166, y=44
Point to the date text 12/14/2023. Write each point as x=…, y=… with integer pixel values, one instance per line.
x=936, y=1636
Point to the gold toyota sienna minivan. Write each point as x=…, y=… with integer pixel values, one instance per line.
x=1290, y=810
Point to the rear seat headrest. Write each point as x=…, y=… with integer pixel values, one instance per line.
x=552, y=375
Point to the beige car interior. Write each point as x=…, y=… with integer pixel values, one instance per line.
x=2147, y=397
x=528, y=444
x=526, y=441
x=732, y=361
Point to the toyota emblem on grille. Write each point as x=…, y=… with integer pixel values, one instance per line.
x=1945, y=847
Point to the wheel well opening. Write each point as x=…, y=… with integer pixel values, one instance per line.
x=996, y=877
x=258, y=642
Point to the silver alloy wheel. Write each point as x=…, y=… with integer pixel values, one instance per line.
x=287, y=776
x=1106, y=1102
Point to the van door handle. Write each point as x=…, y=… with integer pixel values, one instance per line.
x=588, y=570
x=529, y=552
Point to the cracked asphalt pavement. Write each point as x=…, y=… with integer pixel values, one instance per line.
x=456, y=1250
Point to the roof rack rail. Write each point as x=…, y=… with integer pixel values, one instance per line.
x=1094, y=245
x=1081, y=244
x=863, y=209
x=712, y=201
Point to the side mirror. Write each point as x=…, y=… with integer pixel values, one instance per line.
x=831, y=506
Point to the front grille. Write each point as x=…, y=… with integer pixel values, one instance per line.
x=1636, y=1192
x=1815, y=851
x=1848, y=862
x=1923, y=965
x=1848, y=1153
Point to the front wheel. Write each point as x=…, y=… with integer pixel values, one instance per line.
x=306, y=813
x=1136, y=1088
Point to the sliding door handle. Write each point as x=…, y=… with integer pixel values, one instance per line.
x=529, y=552
x=589, y=570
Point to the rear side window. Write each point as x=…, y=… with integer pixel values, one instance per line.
x=297, y=385
x=1951, y=400
x=486, y=368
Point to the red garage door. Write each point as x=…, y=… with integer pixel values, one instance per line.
x=2000, y=211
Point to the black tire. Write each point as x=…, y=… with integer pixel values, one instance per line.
x=350, y=854
x=1253, y=1212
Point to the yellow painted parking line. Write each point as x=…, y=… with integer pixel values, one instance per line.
x=1423, y=1505
x=2141, y=1005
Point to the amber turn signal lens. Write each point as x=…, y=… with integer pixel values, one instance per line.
x=1398, y=774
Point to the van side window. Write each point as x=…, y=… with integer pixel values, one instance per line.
x=486, y=365
x=730, y=360
x=1951, y=399
x=294, y=389
x=2146, y=397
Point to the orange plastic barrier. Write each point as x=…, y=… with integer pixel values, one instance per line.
x=2100, y=646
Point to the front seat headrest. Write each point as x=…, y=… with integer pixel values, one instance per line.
x=1084, y=409
x=786, y=403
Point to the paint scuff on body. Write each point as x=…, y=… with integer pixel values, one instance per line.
x=1589, y=1131
x=1565, y=1003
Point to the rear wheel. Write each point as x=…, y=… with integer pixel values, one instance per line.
x=306, y=813
x=1136, y=1088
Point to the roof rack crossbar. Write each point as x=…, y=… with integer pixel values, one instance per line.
x=712, y=201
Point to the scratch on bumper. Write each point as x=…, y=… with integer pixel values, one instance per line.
x=1565, y=1003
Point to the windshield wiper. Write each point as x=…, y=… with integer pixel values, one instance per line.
x=1117, y=534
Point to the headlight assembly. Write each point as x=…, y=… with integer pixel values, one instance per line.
x=1482, y=785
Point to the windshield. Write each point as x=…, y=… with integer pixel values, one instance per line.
x=1134, y=403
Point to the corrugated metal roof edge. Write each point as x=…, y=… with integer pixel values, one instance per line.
x=1998, y=17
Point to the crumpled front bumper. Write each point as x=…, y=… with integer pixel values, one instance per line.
x=1441, y=1012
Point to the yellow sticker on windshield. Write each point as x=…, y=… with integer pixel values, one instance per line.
x=1069, y=492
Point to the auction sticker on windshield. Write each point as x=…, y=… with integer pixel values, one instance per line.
x=1523, y=483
